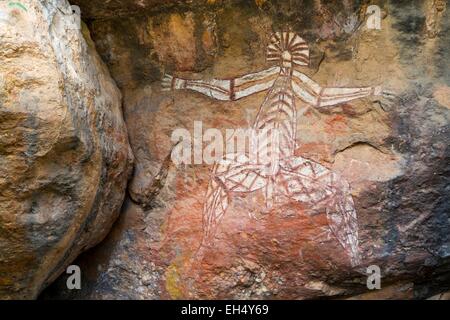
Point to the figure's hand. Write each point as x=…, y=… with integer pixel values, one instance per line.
x=166, y=82
x=387, y=94
x=386, y=99
x=378, y=91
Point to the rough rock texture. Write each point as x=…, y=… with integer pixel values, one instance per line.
x=64, y=151
x=394, y=154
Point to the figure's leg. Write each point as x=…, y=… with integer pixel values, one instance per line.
x=217, y=201
x=309, y=182
x=343, y=222
x=269, y=192
x=229, y=176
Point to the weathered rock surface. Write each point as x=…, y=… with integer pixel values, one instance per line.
x=64, y=151
x=395, y=154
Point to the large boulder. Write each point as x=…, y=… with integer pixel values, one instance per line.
x=393, y=153
x=64, y=152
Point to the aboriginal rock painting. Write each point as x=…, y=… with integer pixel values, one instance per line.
x=289, y=93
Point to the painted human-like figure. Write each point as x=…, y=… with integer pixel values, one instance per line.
x=285, y=175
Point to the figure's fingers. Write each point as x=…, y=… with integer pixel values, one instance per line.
x=388, y=91
x=167, y=78
x=389, y=95
x=166, y=82
x=388, y=99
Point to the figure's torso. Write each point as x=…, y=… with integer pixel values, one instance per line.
x=278, y=112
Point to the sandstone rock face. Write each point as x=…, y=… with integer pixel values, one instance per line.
x=393, y=153
x=64, y=151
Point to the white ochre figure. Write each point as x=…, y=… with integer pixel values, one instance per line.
x=283, y=174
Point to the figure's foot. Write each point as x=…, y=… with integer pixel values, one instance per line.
x=266, y=210
x=200, y=252
x=326, y=234
x=252, y=215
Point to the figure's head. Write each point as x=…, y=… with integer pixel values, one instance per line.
x=289, y=49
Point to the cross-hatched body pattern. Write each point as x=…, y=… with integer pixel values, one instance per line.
x=282, y=174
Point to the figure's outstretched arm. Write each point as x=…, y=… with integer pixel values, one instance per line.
x=226, y=90
x=312, y=93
